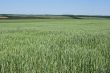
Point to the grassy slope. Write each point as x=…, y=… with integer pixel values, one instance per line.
x=54, y=46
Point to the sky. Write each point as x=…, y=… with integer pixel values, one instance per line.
x=76, y=7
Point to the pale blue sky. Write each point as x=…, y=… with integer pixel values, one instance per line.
x=82, y=7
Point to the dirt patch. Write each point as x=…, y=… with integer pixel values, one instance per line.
x=3, y=17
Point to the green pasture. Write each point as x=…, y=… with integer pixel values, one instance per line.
x=55, y=46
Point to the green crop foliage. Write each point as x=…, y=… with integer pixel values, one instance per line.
x=55, y=46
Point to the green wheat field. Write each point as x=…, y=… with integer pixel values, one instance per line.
x=55, y=46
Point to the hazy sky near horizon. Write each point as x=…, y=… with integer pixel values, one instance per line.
x=82, y=7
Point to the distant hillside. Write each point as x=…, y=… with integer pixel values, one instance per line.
x=23, y=16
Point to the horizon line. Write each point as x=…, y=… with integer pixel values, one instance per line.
x=52, y=14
